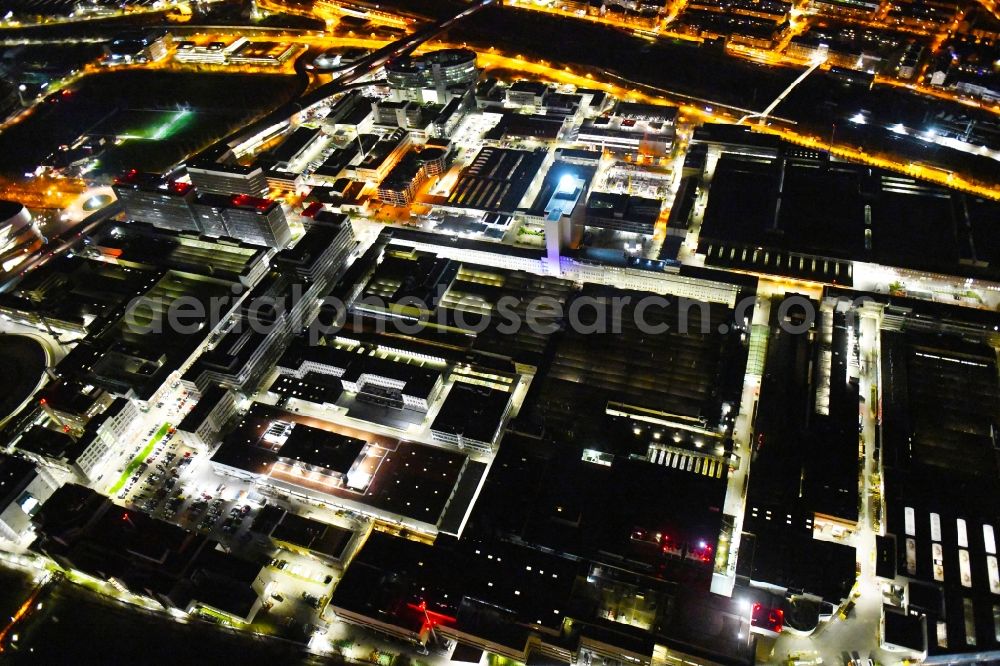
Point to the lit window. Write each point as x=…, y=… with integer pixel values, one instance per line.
x=937, y=560
x=964, y=568
x=942, y=634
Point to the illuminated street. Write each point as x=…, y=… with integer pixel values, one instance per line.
x=426, y=332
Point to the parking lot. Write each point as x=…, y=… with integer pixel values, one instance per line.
x=299, y=589
x=468, y=138
x=174, y=485
x=158, y=474
x=164, y=489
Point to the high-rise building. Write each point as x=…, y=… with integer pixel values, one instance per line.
x=180, y=206
x=149, y=197
x=326, y=244
x=208, y=212
x=228, y=179
x=560, y=208
x=214, y=171
x=251, y=219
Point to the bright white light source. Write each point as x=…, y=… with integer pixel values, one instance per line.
x=898, y=128
x=858, y=118
x=567, y=183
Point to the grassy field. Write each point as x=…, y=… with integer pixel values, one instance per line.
x=158, y=117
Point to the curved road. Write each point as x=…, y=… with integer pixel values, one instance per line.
x=349, y=75
x=23, y=359
x=348, y=78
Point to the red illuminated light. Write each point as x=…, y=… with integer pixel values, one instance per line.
x=127, y=177
x=431, y=618
x=245, y=200
x=771, y=619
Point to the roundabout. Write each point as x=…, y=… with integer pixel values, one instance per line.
x=96, y=202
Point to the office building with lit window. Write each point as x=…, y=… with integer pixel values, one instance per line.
x=214, y=171
x=202, y=424
x=250, y=219
x=433, y=76
x=148, y=197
